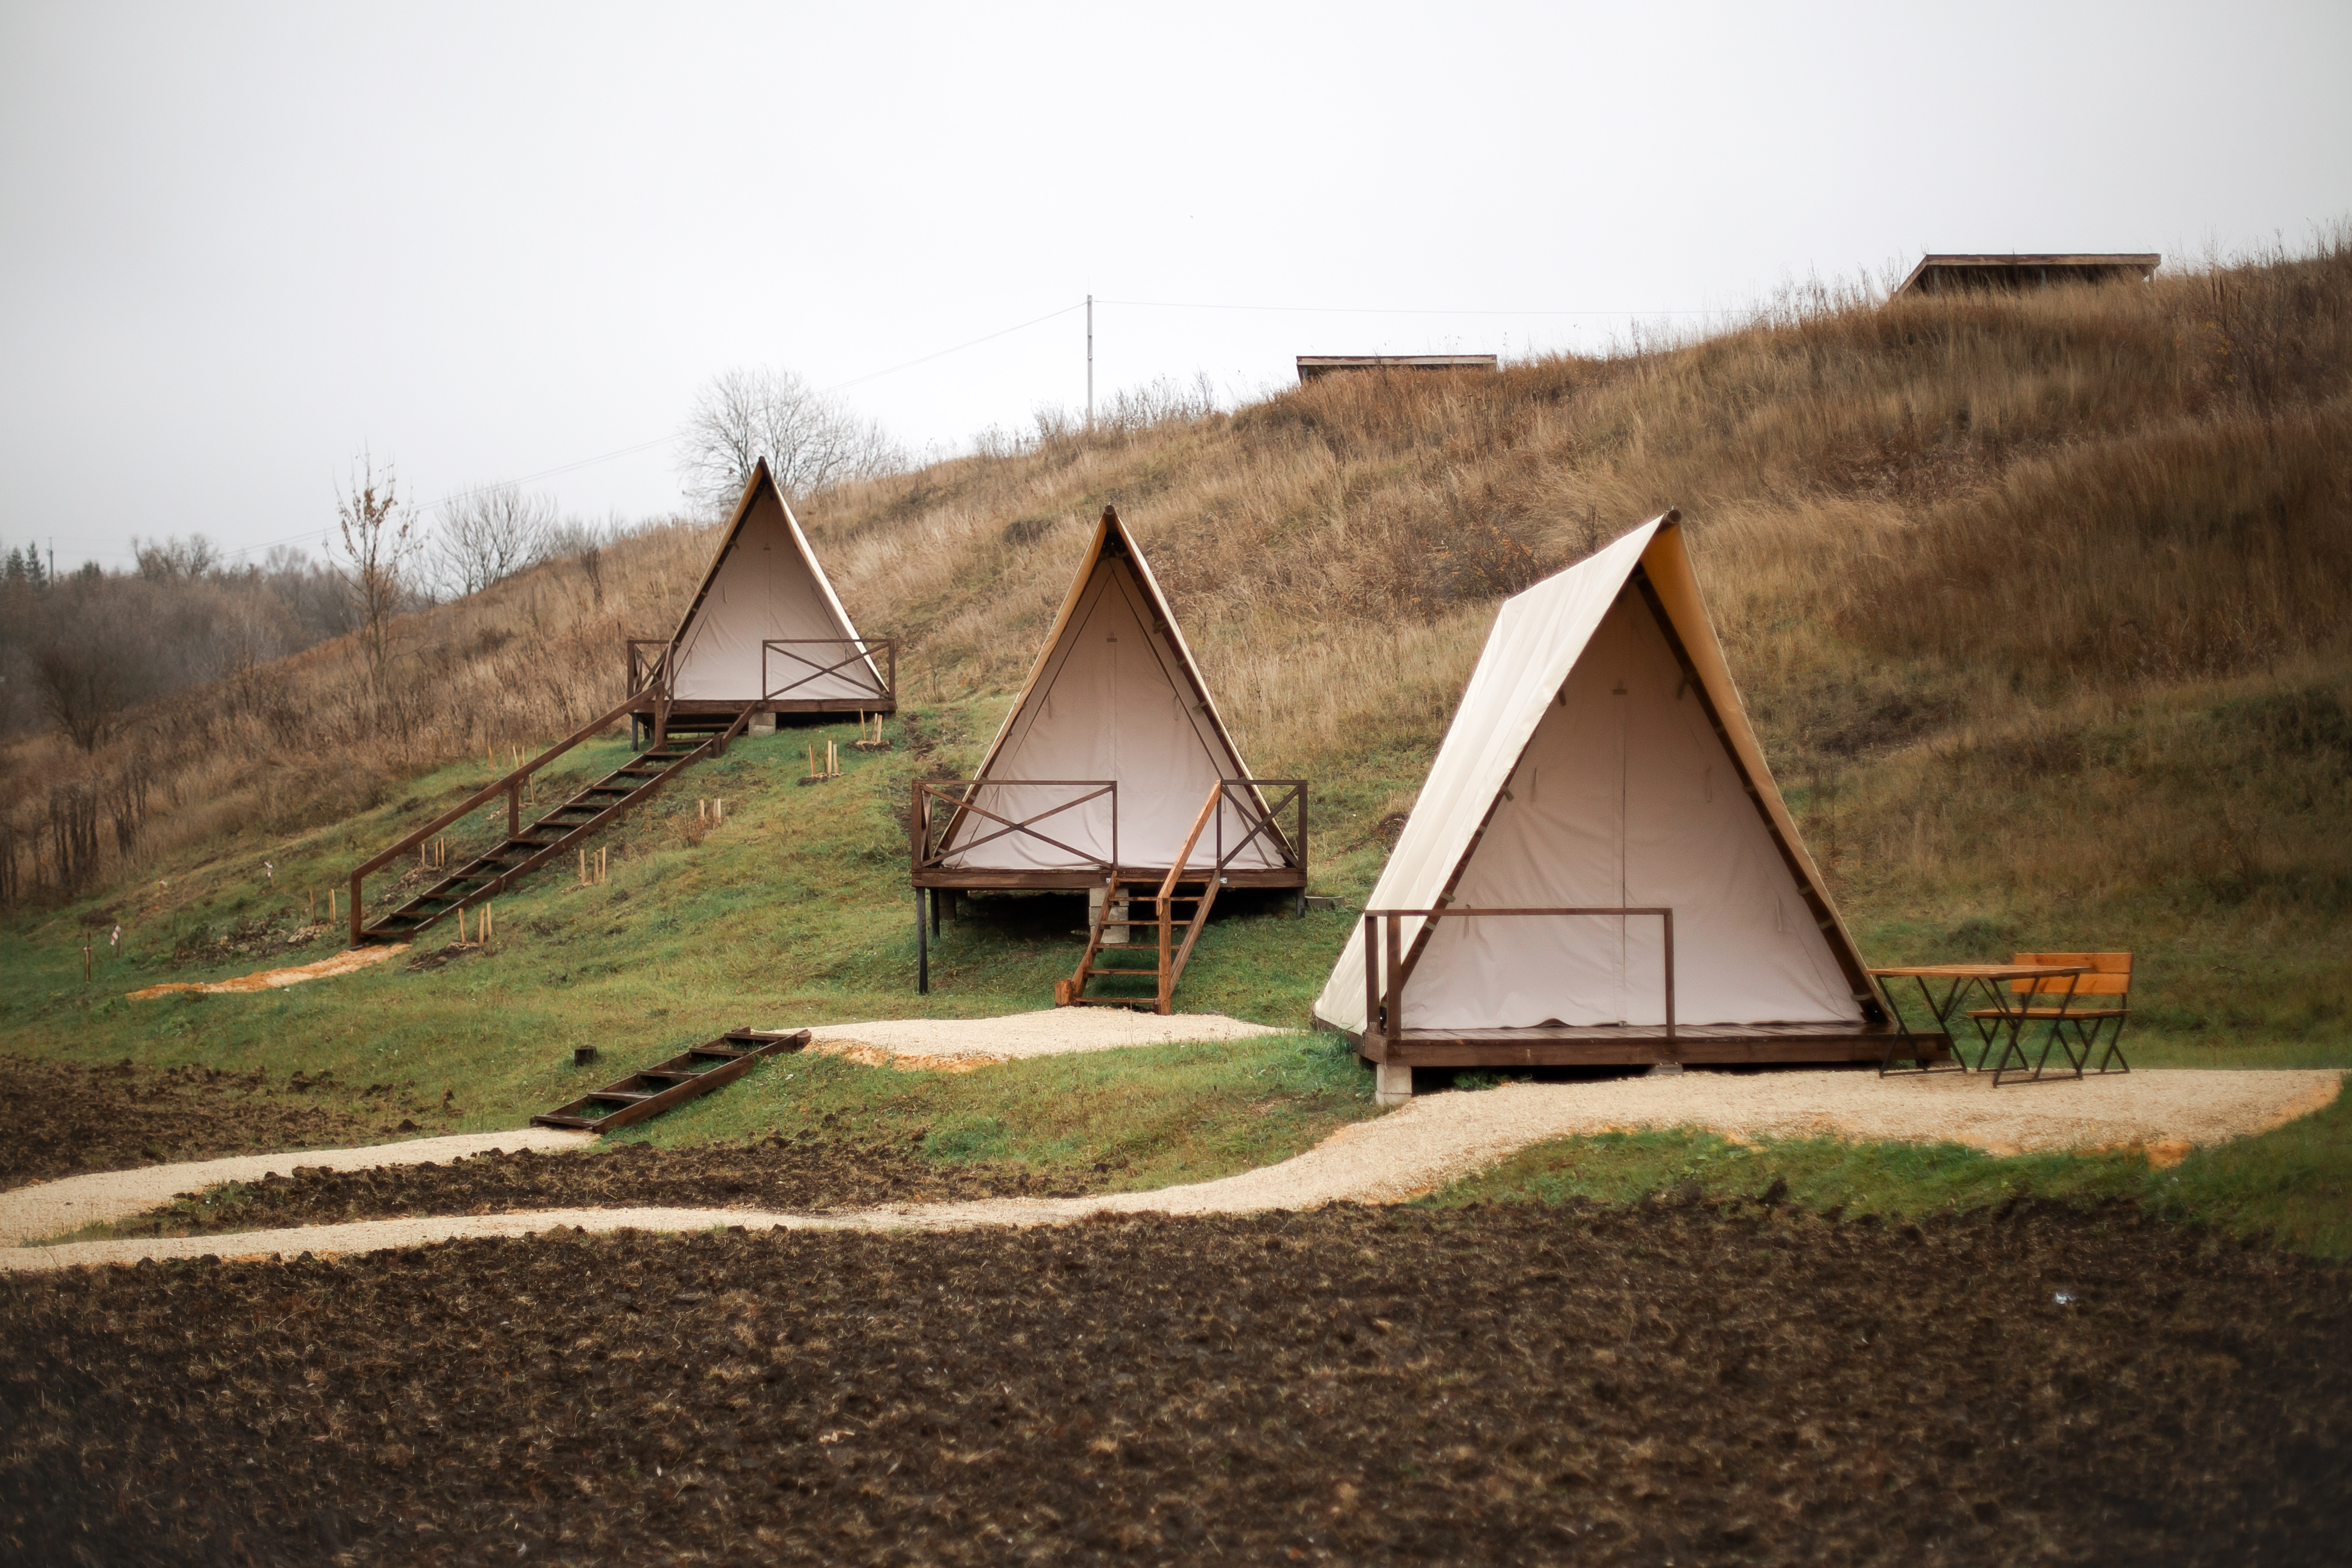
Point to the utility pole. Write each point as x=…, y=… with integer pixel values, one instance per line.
x=1090, y=363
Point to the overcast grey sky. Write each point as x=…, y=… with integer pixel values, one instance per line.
x=241, y=242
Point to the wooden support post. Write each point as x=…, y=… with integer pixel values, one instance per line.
x=355, y=908
x=1301, y=847
x=1394, y=1002
x=922, y=948
x=514, y=809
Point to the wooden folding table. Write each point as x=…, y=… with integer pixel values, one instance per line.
x=2009, y=1007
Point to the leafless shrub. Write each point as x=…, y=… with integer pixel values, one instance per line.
x=372, y=553
x=809, y=441
x=487, y=534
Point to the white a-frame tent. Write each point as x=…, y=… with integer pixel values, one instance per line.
x=1114, y=698
x=765, y=628
x=1601, y=760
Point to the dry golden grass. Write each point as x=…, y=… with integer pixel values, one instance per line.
x=2036, y=599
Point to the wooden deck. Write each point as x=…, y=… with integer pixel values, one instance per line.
x=869, y=704
x=1559, y=1045
x=1139, y=879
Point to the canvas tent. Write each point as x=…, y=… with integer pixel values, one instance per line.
x=1602, y=759
x=766, y=627
x=1115, y=696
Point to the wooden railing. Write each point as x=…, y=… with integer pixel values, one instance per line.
x=1384, y=1004
x=654, y=676
x=1248, y=797
x=933, y=834
x=861, y=655
x=1171, y=967
x=511, y=785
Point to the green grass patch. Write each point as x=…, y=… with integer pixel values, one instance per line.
x=1129, y=1120
x=2292, y=1184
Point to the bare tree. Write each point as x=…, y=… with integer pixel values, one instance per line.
x=94, y=658
x=810, y=442
x=372, y=552
x=488, y=534
x=174, y=560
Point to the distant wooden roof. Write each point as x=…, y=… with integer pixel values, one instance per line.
x=1312, y=365
x=1949, y=274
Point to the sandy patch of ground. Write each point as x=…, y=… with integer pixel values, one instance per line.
x=1447, y=1136
x=53, y=1208
x=959, y=1044
x=272, y=979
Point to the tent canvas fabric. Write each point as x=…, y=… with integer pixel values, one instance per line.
x=1582, y=770
x=1114, y=695
x=764, y=584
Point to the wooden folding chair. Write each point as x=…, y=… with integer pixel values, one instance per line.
x=2074, y=1029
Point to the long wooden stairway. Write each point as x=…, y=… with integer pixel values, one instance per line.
x=678, y=745
x=1169, y=958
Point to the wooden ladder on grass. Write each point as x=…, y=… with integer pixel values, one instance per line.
x=1171, y=956
x=526, y=849
x=673, y=1082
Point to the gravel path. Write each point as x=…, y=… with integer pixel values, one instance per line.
x=959, y=1045
x=53, y=1208
x=1444, y=1137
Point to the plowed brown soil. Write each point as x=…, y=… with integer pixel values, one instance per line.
x=1491, y=1386
x=810, y=1173
x=69, y=1118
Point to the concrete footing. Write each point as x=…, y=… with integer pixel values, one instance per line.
x=761, y=724
x=1115, y=936
x=1664, y=1070
x=1391, y=1083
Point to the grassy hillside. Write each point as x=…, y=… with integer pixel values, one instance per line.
x=2036, y=601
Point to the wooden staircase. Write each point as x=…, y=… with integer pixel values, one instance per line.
x=673, y=1082
x=678, y=746
x=1170, y=958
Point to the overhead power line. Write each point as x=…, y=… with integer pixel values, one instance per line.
x=635, y=447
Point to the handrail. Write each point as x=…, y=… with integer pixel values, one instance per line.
x=919, y=818
x=1400, y=965
x=1167, y=888
x=862, y=650
x=511, y=784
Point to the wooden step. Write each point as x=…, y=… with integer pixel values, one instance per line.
x=633, y=1105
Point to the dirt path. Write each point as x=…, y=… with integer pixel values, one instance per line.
x=1439, y=1139
x=272, y=979
x=54, y=1209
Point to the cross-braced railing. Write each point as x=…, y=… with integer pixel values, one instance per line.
x=653, y=675
x=1261, y=820
x=933, y=830
x=784, y=668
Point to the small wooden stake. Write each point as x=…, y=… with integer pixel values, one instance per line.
x=584, y=866
x=331, y=906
